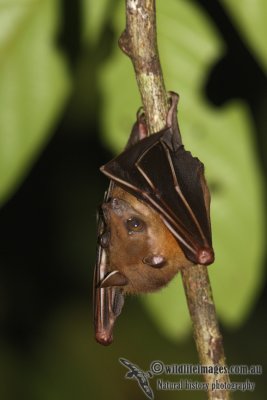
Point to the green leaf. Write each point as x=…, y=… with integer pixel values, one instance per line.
x=221, y=138
x=250, y=16
x=33, y=85
x=94, y=14
x=168, y=309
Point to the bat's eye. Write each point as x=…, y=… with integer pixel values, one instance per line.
x=134, y=224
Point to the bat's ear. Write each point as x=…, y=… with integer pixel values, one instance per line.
x=155, y=261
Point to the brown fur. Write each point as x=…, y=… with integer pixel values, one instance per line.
x=128, y=250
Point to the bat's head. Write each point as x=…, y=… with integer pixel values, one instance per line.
x=143, y=254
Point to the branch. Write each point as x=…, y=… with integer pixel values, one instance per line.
x=205, y=325
x=139, y=42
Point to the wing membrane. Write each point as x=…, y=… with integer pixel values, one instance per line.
x=171, y=181
x=109, y=301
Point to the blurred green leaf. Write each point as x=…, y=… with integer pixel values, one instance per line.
x=94, y=14
x=221, y=138
x=33, y=85
x=169, y=311
x=250, y=17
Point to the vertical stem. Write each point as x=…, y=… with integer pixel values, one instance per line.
x=139, y=42
x=207, y=335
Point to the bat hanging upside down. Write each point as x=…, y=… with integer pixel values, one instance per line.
x=154, y=220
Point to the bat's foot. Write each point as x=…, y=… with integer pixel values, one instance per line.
x=171, y=116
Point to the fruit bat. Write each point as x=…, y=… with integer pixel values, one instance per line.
x=154, y=220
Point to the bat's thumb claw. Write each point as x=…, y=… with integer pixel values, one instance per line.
x=104, y=338
x=205, y=256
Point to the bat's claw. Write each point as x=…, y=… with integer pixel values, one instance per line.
x=205, y=256
x=174, y=98
x=104, y=338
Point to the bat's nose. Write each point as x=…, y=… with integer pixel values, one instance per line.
x=205, y=256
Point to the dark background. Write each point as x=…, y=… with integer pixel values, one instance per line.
x=48, y=240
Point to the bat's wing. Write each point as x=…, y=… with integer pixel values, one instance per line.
x=162, y=173
x=108, y=301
